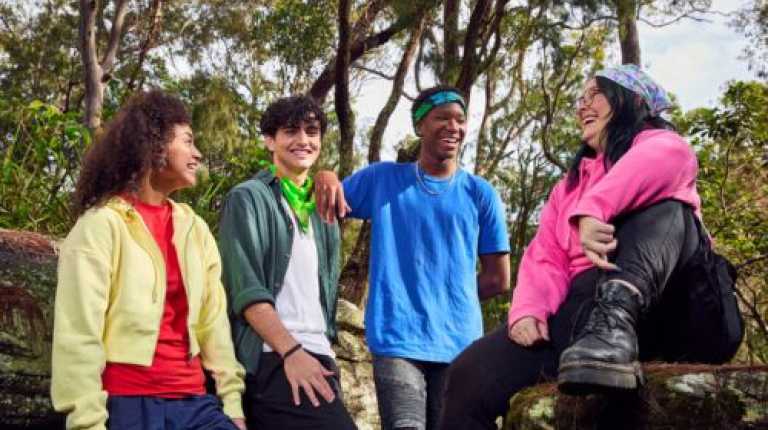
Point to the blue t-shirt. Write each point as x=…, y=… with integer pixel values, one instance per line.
x=426, y=236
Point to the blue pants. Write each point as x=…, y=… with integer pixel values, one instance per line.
x=155, y=413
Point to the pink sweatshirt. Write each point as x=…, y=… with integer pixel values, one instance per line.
x=660, y=165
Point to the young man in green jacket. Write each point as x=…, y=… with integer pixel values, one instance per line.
x=281, y=268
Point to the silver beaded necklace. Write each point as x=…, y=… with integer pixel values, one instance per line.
x=419, y=178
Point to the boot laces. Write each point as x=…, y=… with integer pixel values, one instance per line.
x=602, y=319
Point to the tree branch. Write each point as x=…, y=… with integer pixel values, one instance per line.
x=752, y=261
x=673, y=20
x=149, y=41
x=115, y=35
x=91, y=67
x=753, y=309
x=373, y=71
x=367, y=17
x=468, y=74
x=382, y=119
x=325, y=81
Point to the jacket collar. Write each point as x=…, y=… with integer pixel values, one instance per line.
x=266, y=177
x=181, y=212
x=183, y=219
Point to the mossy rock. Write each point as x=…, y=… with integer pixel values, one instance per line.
x=27, y=290
x=676, y=396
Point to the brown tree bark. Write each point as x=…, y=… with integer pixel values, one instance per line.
x=97, y=73
x=629, y=39
x=362, y=44
x=482, y=26
x=451, y=38
x=382, y=119
x=343, y=108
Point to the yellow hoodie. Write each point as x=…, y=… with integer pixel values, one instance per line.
x=109, y=305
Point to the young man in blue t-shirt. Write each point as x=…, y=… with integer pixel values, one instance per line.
x=430, y=222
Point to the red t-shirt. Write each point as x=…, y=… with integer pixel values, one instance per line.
x=172, y=374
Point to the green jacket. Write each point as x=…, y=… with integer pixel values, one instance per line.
x=255, y=240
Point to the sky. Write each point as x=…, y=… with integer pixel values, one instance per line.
x=693, y=60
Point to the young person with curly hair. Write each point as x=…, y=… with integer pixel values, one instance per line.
x=140, y=310
x=281, y=271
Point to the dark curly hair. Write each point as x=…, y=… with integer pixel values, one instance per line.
x=133, y=143
x=290, y=112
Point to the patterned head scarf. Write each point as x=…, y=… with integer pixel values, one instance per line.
x=632, y=78
x=437, y=99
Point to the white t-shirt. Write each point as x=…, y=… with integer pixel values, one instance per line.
x=298, y=303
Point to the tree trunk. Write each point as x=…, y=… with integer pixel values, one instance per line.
x=95, y=72
x=626, y=10
x=94, y=89
x=397, y=88
x=343, y=108
x=449, y=72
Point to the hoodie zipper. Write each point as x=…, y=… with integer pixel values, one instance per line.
x=134, y=215
x=190, y=356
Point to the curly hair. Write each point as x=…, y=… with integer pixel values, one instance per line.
x=132, y=144
x=290, y=112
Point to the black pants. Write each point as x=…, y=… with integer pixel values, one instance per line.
x=269, y=400
x=653, y=245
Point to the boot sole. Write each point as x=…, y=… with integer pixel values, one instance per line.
x=586, y=377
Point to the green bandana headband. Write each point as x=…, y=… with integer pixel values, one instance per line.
x=435, y=100
x=299, y=198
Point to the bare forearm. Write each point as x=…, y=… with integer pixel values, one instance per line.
x=263, y=319
x=490, y=286
x=493, y=278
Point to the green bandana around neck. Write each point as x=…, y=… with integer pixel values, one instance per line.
x=299, y=198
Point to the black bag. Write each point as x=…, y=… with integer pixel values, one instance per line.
x=705, y=325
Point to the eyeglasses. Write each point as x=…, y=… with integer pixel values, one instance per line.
x=587, y=98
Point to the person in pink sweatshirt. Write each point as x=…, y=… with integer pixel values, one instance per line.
x=610, y=260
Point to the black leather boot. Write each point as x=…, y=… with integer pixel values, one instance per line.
x=603, y=356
